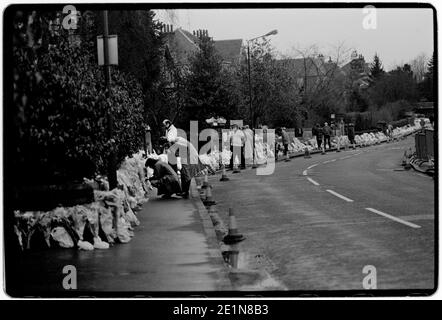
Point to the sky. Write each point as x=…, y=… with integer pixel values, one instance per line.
x=400, y=34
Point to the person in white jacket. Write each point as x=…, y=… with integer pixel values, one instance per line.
x=189, y=158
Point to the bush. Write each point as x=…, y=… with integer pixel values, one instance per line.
x=60, y=107
x=390, y=112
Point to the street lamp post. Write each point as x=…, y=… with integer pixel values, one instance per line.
x=252, y=116
x=111, y=168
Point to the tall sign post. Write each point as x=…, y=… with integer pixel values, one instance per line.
x=103, y=56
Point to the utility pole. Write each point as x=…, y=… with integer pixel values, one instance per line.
x=111, y=166
x=252, y=116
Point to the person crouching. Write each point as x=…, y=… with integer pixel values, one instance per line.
x=164, y=178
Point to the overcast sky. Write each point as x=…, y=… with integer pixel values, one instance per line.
x=401, y=34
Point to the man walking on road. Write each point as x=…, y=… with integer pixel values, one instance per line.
x=327, y=131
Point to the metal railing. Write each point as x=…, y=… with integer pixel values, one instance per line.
x=424, y=143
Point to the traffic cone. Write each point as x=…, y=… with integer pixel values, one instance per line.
x=404, y=158
x=233, y=236
x=224, y=175
x=307, y=153
x=206, y=180
x=209, y=201
x=198, y=183
x=233, y=258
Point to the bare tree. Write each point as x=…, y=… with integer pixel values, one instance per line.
x=419, y=66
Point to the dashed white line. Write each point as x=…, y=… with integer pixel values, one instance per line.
x=304, y=173
x=332, y=160
x=313, y=181
x=356, y=154
x=312, y=166
x=339, y=195
x=386, y=215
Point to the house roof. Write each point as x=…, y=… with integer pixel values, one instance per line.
x=229, y=50
x=182, y=43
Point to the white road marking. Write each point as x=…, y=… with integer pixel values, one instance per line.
x=304, y=173
x=332, y=160
x=386, y=215
x=328, y=161
x=339, y=195
x=313, y=181
x=356, y=154
x=312, y=166
x=346, y=157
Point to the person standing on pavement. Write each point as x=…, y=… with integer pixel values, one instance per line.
x=317, y=133
x=351, y=133
x=327, y=131
x=237, y=142
x=285, y=141
x=248, y=150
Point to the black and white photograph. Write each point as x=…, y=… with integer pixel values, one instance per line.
x=220, y=150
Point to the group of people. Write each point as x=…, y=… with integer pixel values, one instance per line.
x=323, y=134
x=165, y=173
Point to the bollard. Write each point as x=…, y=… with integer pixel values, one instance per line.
x=233, y=236
x=224, y=175
x=307, y=153
x=233, y=258
x=209, y=201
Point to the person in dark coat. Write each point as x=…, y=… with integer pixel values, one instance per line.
x=327, y=132
x=351, y=133
x=285, y=141
x=317, y=132
x=164, y=178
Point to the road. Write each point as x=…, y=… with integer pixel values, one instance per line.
x=315, y=223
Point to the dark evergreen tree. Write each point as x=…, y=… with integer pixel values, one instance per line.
x=376, y=67
x=426, y=88
x=207, y=86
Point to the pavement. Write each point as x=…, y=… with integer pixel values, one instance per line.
x=316, y=223
x=172, y=250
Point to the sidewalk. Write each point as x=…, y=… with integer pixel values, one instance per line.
x=174, y=249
